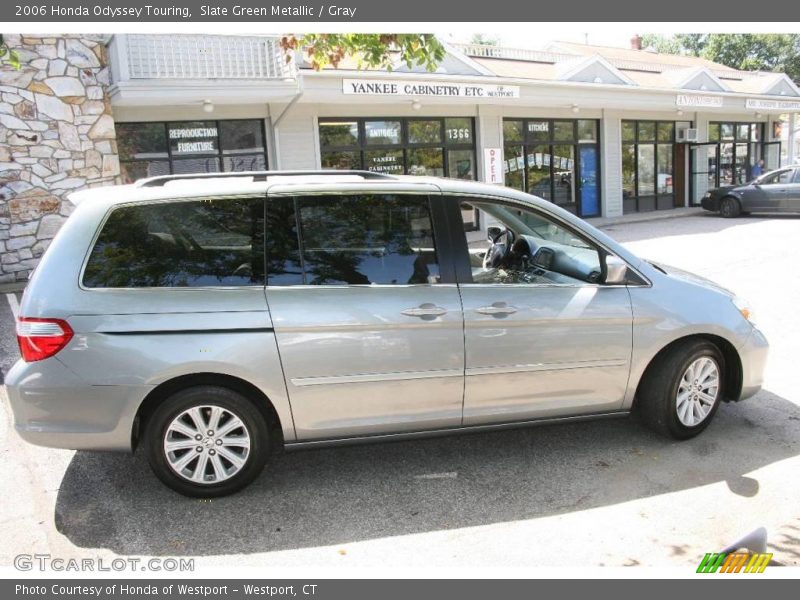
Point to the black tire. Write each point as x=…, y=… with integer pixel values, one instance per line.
x=255, y=427
x=656, y=400
x=730, y=208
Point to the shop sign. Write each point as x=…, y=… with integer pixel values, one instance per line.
x=759, y=104
x=696, y=100
x=193, y=140
x=491, y=165
x=369, y=87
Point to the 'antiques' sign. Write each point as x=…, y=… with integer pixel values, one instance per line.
x=698, y=100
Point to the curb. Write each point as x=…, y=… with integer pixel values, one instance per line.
x=601, y=223
x=10, y=288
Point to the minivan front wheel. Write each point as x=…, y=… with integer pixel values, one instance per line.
x=206, y=441
x=682, y=389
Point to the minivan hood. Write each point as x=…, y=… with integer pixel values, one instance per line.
x=689, y=277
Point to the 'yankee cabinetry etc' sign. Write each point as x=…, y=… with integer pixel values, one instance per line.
x=384, y=87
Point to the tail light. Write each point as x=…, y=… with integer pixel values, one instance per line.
x=42, y=338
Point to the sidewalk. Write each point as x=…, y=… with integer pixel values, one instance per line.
x=655, y=215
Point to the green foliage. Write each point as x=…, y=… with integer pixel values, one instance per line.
x=483, y=39
x=7, y=55
x=778, y=52
x=370, y=49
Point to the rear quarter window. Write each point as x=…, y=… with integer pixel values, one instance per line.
x=213, y=242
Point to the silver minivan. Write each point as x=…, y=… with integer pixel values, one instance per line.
x=212, y=319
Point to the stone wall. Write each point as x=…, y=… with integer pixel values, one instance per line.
x=56, y=136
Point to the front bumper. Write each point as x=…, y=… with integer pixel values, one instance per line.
x=711, y=204
x=753, y=355
x=53, y=407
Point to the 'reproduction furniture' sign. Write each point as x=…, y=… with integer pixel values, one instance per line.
x=385, y=87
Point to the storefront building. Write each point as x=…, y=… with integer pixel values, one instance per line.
x=598, y=131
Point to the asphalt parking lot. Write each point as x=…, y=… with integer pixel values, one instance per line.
x=589, y=494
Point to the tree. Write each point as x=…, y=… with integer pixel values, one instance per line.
x=371, y=49
x=748, y=51
x=7, y=55
x=481, y=39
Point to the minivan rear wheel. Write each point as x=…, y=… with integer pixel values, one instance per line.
x=206, y=441
x=682, y=389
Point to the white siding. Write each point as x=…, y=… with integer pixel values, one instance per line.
x=611, y=163
x=295, y=138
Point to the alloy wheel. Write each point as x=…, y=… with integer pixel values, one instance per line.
x=207, y=444
x=698, y=391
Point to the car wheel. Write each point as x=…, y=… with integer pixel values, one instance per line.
x=682, y=389
x=730, y=208
x=206, y=441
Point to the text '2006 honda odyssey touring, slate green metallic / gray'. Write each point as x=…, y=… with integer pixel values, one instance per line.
x=211, y=319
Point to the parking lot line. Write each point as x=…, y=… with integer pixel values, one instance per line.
x=14, y=304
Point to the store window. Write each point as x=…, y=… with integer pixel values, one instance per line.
x=739, y=148
x=555, y=159
x=434, y=147
x=439, y=147
x=648, y=157
x=163, y=148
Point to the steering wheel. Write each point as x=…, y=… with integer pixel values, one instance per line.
x=499, y=249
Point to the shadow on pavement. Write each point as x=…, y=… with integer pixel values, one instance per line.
x=341, y=495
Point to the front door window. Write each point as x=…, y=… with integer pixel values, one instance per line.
x=528, y=248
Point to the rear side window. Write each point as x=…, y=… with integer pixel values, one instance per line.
x=350, y=240
x=217, y=242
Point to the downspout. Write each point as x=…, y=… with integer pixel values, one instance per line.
x=274, y=125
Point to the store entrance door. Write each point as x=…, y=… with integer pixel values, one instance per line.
x=703, y=166
x=772, y=156
x=679, y=176
x=589, y=192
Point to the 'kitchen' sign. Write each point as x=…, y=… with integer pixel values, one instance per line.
x=383, y=87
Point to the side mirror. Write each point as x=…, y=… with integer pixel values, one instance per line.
x=493, y=233
x=616, y=270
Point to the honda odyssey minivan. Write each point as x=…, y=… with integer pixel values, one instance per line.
x=212, y=319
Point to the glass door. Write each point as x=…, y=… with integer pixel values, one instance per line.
x=589, y=188
x=772, y=156
x=703, y=163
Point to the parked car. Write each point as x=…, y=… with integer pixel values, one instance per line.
x=774, y=192
x=210, y=320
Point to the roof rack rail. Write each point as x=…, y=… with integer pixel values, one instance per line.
x=160, y=180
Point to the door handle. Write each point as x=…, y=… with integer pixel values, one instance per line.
x=498, y=309
x=425, y=310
